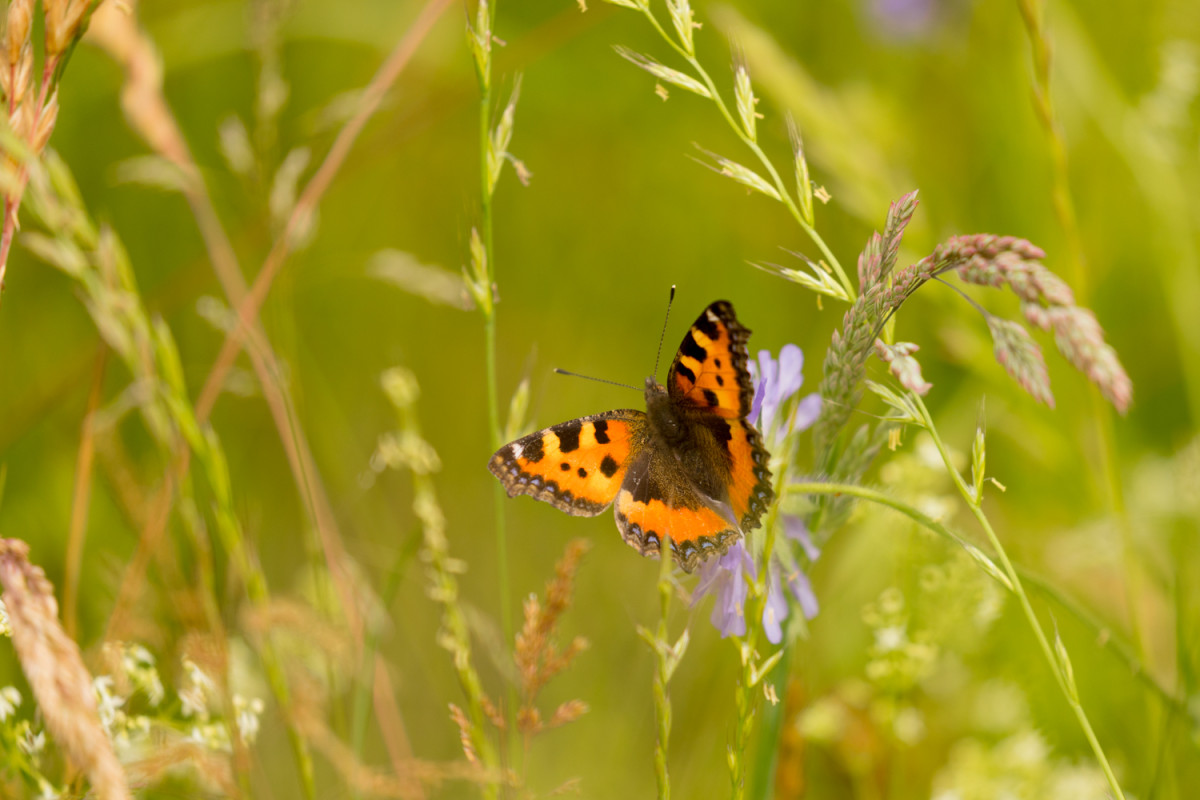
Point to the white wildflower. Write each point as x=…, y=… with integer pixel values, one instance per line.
x=890, y=638
x=194, y=698
x=10, y=698
x=32, y=744
x=140, y=667
x=248, y=712
x=107, y=703
x=213, y=736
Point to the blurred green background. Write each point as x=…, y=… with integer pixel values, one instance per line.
x=890, y=96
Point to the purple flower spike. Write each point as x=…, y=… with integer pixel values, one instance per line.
x=725, y=578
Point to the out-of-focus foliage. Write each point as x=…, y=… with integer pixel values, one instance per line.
x=918, y=678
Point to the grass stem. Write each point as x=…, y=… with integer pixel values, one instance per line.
x=1065, y=681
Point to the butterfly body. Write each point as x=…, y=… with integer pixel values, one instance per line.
x=691, y=467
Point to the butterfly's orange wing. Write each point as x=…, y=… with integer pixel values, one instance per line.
x=709, y=379
x=709, y=371
x=576, y=466
x=654, y=504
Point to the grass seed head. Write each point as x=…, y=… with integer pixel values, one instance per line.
x=54, y=667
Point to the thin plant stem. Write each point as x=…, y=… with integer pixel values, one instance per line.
x=489, y=340
x=662, y=673
x=1065, y=683
x=80, y=498
x=370, y=667
x=746, y=699
x=313, y=191
x=780, y=187
x=1101, y=633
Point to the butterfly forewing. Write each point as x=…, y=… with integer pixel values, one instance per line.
x=576, y=466
x=710, y=369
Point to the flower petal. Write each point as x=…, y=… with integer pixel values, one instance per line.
x=760, y=391
x=806, y=413
x=791, y=371
x=776, y=609
x=801, y=588
x=795, y=529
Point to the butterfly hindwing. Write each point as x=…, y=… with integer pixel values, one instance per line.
x=653, y=503
x=576, y=466
x=709, y=370
x=750, y=490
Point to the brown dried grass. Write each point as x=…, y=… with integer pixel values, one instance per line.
x=54, y=667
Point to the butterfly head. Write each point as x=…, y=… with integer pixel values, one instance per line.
x=664, y=416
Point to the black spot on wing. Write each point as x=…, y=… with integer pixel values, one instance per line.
x=683, y=371
x=564, y=466
x=691, y=349
x=600, y=429
x=609, y=467
x=582, y=472
x=532, y=450
x=568, y=436
x=711, y=398
x=706, y=326
x=720, y=380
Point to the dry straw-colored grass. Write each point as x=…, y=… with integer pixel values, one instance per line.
x=54, y=667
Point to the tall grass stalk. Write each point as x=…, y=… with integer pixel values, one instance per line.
x=80, y=500
x=420, y=458
x=800, y=207
x=484, y=266
x=754, y=670
x=94, y=257
x=1056, y=656
x=666, y=658
x=369, y=101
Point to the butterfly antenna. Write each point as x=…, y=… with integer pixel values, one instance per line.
x=662, y=336
x=597, y=380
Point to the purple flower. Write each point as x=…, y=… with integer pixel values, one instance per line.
x=774, y=384
x=795, y=529
x=797, y=583
x=725, y=578
x=903, y=19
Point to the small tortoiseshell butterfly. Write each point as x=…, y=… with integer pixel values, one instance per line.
x=691, y=466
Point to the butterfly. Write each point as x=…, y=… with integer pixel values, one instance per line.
x=690, y=467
